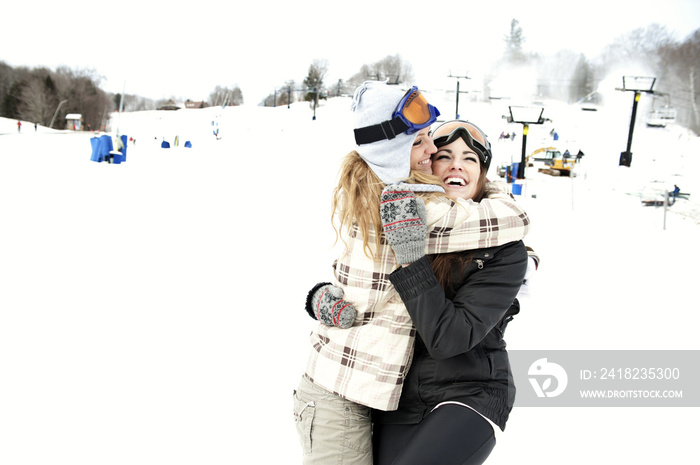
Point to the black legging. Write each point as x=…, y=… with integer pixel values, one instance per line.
x=450, y=435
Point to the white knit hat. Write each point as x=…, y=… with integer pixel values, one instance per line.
x=374, y=102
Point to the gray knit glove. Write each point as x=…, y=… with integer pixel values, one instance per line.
x=403, y=221
x=325, y=303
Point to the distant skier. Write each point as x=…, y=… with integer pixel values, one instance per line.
x=676, y=191
x=19, y=126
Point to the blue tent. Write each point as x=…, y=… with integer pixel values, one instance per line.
x=95, y=143
x=101, y=147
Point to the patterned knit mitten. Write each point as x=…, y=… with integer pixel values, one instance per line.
x=403, y=222
x=325, y=303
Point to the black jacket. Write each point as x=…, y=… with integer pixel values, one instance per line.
x=460, y=354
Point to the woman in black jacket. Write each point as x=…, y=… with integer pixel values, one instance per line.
x=459, y=389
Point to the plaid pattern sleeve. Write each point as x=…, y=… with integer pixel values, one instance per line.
x=368, y=362
x=467, y=225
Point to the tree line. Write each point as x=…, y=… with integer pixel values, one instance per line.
x=392, y=69
x=566, y=76
x=45, y=96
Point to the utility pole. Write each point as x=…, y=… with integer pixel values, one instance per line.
x=56, y=113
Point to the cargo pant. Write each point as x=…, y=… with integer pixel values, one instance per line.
x=332, y=430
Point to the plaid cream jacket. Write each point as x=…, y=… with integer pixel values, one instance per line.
x=368, y=362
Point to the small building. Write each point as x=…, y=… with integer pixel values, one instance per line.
x=74, y=121
x=191, y=104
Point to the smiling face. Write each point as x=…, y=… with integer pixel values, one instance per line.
x=459, y=168
x=423, y=148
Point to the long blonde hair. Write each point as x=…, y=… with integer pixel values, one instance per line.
x=356, y=200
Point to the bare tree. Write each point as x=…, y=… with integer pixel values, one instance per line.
x=394, y=69
x=679, y=64
x=223, y=96
x=640, y=45
x=81, y=90
x=391, y=68
x=281, y=95
x=38, y=97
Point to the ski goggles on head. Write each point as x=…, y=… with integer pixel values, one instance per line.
x=474, y=137
x=412, y=114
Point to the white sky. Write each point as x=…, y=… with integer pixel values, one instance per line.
x=160, y=49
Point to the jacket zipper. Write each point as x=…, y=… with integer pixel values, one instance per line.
x=480, y=264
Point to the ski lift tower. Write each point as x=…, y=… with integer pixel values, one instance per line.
x=636, y=84
x=315, y=91
x=525, y=116
x=457, y=94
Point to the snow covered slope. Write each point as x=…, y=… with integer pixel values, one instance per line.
x=151, y=310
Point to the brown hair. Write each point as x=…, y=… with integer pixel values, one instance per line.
x=443, y=265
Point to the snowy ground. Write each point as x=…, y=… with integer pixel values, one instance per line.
x=151, y=312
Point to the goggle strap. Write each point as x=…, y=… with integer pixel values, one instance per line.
x=483, y=150
x=385, y=130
